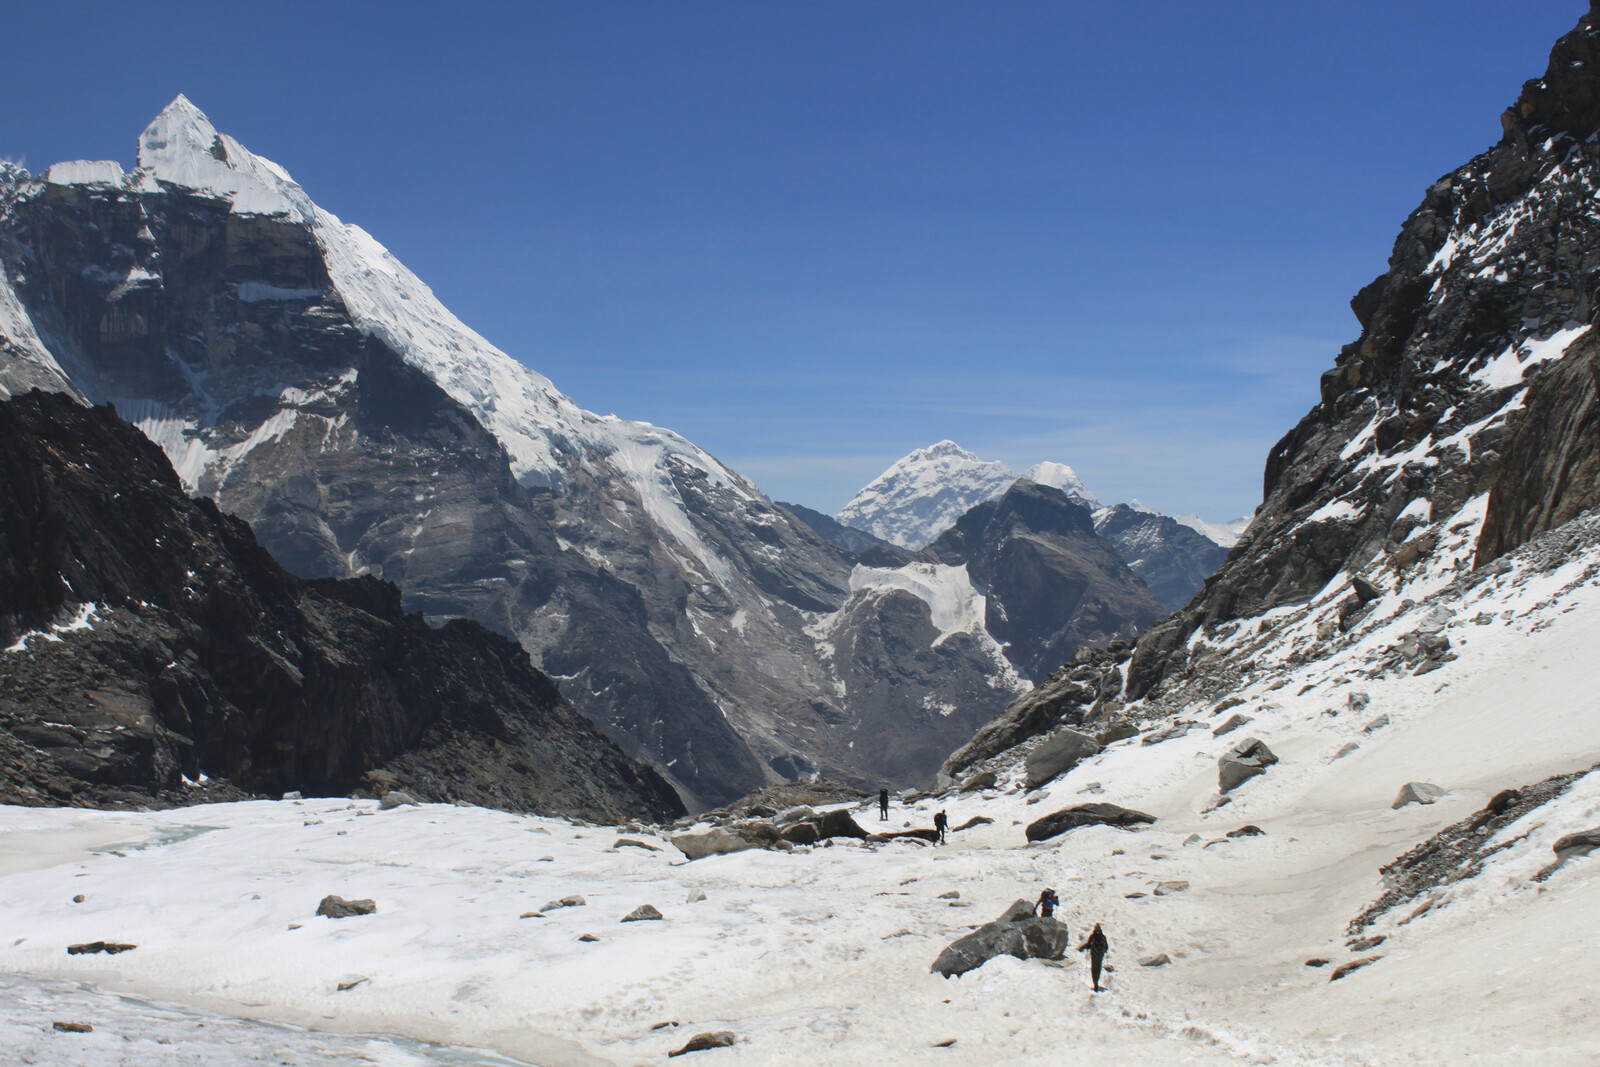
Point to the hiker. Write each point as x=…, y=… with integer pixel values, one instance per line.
x=883, y=805
x=941, y=823
x=1096, y=945
x=1047, y=904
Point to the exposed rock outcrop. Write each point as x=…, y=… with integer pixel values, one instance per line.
x=145, y=638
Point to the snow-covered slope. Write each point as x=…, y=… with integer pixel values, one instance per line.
x=822, y=954
x=1062, y=477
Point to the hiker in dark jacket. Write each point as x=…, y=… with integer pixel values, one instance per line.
x=941, y=823
x=883, y=804
x=1047, y=904
x=1097, y=946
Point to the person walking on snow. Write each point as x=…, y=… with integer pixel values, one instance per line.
x=1097, y=946
x=1047, y=904
x=883, y=805
x=941, y=823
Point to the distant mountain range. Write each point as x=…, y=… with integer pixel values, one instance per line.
x=925, y=493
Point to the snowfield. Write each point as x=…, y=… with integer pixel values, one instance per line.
x=822, y=955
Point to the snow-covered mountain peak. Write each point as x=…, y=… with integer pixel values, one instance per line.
x=924, y=493
x=1226, y=534
x=182, y=148
x=1062, y=477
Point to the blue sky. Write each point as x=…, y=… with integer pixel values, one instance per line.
x=812, y=237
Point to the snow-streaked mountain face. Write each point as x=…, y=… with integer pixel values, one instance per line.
x=295, y=371
x=923, y=494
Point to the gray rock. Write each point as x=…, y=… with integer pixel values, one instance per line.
x=1234, y=722
x=1247, y=830
x=1579, y=844
x=710, y=1040
x=395, y=798
x=293, y=794
x=695, y=896
x=1159, y=960
x=1168, y=732
x=1166, y=889
x=573, y=901
x=1243, y=762
x=1376, y=724
x=1366, y=944
x=643, y=913
x=796, y=814
x=73, y=1028
x=953, y=894
x=981, y=780
x=1059, y=753
x=976, y=820
x=335, y=907
x=801, y=833
x=1098, y=814
x=1344, y=750
x=721, y=840
x=1017, y=933
x=1417, y=793
x=1358, y=701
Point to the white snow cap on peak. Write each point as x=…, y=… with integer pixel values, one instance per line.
x=1062, y=477
x=923, y=494
x=182, y=148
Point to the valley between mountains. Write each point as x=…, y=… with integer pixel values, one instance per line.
x=365, y=699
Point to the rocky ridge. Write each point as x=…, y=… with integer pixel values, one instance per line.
x=148, y=643
x=1456, y=427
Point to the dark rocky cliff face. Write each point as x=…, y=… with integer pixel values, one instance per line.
x=1050, y=581
x=1466, y=405
x=148, y=638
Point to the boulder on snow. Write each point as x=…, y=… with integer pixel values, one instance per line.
x=796, y=814
x=721, y=840
x=1099, y=814
x=628, y=842
x=395, y=798
x=1166, y=889
x=73, y=1028
x=1579, y=844
x=930, y=837
x=1168, y=732
x=801, y=833
x=1018, y=933
x=701, y=1042
x=981, y=780
x=1247, y=830
x=1233, y=723
x=1158, y=960
x=1243, y=762
x=1059, y=753
x=643, y=913
x=90, y=948
x=573, y=901
x=1354, y=965
x=696, y=896
x=976, y=820
x=339, y=908
x=839, y=824
x=1417, y=793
